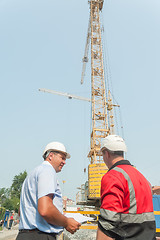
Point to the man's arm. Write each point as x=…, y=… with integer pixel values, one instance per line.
x=102, y=236
x=112, y=195
x=51, y=214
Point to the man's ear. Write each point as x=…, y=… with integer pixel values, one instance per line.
x=50, y=155
x=108, y=154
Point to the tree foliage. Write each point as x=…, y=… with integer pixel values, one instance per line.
x=17, y=184
x=10, y=197
x=2, y=212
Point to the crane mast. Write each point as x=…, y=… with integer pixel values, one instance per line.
x=100, y=128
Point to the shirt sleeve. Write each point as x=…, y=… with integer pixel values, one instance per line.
x=47, y=182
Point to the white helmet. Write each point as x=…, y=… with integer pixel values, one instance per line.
x=56, y=146
x=113, y=143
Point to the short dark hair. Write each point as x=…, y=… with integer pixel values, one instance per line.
x=48, y=152
x=118, y=153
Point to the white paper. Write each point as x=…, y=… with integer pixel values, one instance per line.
x=79, y=217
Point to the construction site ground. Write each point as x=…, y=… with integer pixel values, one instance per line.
x=11, y=234
x=82, y=234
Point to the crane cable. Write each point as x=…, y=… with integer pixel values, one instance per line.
x=108, y=77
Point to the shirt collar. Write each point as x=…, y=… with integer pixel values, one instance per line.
x=47, y=163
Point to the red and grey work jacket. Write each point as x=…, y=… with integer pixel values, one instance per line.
x=126, y=204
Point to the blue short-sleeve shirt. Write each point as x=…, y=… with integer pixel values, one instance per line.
x=41, y=182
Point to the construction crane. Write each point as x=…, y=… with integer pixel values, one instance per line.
x=102, y=106
x=100, y=124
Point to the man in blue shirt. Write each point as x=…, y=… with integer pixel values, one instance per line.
x=41, y=207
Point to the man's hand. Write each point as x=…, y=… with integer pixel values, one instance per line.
x=72, y=225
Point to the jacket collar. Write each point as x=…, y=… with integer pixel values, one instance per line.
x=121, y=162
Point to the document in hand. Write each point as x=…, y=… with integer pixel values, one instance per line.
x=79, y=217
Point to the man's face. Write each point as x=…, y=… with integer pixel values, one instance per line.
x=58, y=160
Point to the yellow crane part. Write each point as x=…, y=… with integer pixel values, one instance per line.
x=95, y=174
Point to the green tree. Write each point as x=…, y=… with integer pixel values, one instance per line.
x=12, y=204
x=10, y=197
x=4, y=194
x=17, y=185
x=2, y=212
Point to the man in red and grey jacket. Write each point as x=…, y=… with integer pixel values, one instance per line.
x=126, y=197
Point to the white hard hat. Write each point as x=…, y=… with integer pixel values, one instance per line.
x=113, y=143
x=56, y=146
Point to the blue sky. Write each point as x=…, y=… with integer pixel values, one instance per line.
x=42, y=46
